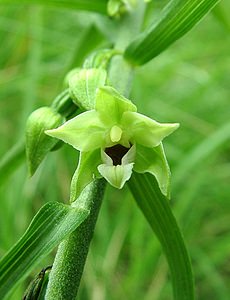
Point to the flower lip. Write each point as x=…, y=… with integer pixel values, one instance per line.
x=116, y=153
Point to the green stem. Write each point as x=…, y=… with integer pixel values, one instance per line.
x=121, y=72
x=69, y=262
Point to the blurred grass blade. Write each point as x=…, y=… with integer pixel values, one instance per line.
x=99, y=6
x=155, y=207
x=11, y=160
x=222, y=13
x=176, y=19
x=90, y=39
x=50, y=226
x=202, y=152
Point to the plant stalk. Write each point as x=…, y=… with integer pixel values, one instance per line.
x=70, y=259
x=71, y=255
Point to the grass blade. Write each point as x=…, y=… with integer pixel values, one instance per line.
x=11, y=160
x=52, y=223
x=176, y=19
x=155, y=207
x=99, y=6
x=201, y=153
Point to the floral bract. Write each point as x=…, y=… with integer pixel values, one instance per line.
x=114, y=140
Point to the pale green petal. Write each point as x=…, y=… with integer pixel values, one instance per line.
x=116, y=175
x=144, y=130
x=83, y=85
x=153, y=160
x=111, y=105
x=86, y=172
x=106, y=159
x=84, y=132
x=129, y=157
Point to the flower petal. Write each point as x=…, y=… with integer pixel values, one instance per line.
x=144, y=130
x=111, y=105
x=116, y=175
x=86, y=172
x=153, y=160
x=129, y=157
x=84, y=132
x=106, y=159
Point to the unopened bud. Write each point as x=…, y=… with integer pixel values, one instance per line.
x=38, y=144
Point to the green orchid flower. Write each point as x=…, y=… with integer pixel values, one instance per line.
x=113, y=140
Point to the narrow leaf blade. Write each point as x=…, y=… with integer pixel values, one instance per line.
x=155, y=207
x=176, y=19
x=99, y=6
x=11, y=160
x=52, y=223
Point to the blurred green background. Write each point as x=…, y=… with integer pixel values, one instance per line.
x=189, y=84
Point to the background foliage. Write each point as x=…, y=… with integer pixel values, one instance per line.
x=188, y=83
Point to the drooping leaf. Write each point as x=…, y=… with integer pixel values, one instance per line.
x=50, y=226
x=156, y=209
x=176, y=19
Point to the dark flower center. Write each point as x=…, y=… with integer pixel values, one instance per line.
x=116, y=153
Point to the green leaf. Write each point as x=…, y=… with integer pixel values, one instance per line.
x=50, y=226
x=99, y=6
x=155, y=207
x=201, y=153
x=221, y=12
x=176, y=19
x=38, y=144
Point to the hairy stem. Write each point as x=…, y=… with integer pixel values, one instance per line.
x=71, y=256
